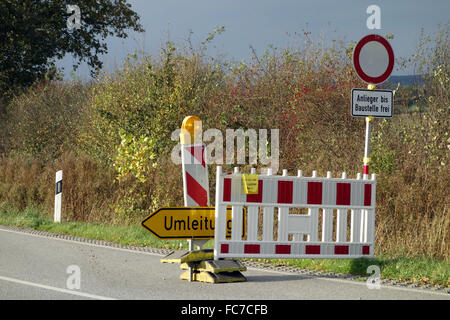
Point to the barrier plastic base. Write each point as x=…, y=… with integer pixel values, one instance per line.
x=206, y=276
x=214, y=266
x=201, y=266
x=188, y=256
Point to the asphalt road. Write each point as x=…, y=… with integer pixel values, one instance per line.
x=35, y=267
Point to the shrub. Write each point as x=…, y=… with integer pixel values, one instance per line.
x=44, y=121
x=148, y=100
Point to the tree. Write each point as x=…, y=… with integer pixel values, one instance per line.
x=34, y=33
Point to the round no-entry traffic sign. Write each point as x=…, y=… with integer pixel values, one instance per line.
x=373, y=59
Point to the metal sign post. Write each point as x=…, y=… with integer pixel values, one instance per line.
x=373, y=60
x=366, y=160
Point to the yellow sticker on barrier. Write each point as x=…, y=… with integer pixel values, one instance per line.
x=250, y=183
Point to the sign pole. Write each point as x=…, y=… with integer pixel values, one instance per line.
x=367, y=141
x=366, y=160
x=367, y=148
x=364, y=213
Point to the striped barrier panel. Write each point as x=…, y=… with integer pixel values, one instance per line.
x=195, y=175
x=298, y=235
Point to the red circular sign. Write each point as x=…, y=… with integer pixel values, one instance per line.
x=373, y=59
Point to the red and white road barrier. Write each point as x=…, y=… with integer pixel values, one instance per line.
x=331, y=198
x=195, y=175
x=195, y=171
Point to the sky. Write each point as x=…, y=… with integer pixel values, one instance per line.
x=258, y=23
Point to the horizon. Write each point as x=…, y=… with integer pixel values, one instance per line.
x=259, y=24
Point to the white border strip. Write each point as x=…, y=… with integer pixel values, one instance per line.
x=81, y=242
x=42, y=286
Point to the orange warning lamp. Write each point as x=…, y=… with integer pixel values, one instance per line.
x=190, y=128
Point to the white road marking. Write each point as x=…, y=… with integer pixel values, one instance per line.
x=43, y=286
x=80, y=242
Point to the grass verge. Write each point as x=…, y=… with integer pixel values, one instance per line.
x=417, y=270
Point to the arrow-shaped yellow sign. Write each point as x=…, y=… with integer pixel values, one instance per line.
x=186, y=223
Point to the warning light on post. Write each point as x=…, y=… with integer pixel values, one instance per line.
x=191, y=129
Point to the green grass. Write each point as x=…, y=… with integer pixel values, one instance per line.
x=133, y=235
x=400, y=268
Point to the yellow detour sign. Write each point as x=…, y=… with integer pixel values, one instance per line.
x=186, y=223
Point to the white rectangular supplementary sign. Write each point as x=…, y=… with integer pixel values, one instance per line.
x=375, y=103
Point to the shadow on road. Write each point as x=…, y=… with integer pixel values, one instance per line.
x=276, y=278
